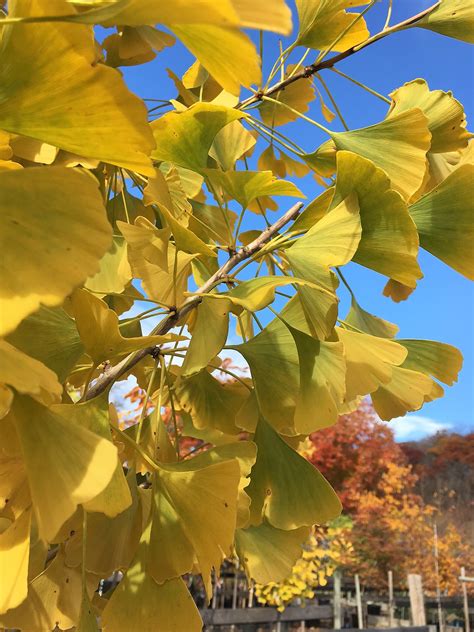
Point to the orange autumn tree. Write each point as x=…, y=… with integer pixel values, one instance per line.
x=393, y=530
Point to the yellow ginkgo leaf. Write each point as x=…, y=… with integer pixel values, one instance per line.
x=398, y=145
x=28, y=376
x=54, y=599
x=313, y=212
x=94, y=416
x=268, y=554
x=5, y=148
x=389, y=241
x=226, y=53
x=230, y=144
x=81, y=463
x=32, y=149
x=322, y=21
x=453, y=18
x=255, y=294
x=184, y=238
x=87, y=620
x=245, y=186
x=107, y=122
x=57, y=217
x=245, y=452
x=297, y=95
x=363, y=321
x=144, y=238
x=209, y=335
x=210, y=402
x=50, y=336
x=322, y=382
x=437, y=359
x=446, y=118
x=140, y=604
x=114, y=272
x=291, y=495
x=111, y=542
x=14, y=557
x=98, y=327
x=255, y=14
x=406, y=391
x=370, y=361
x=185, y=138
x=198, y=509
x=331, y=241
x=443, y=218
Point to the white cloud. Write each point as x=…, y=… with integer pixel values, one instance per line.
x=414, y=427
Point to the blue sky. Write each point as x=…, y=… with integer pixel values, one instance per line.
x=442, y=308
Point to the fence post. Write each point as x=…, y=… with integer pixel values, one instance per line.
x=391, y=621
x=417, y=603
x=467, y=623
x=360, y=615
x=337, y=604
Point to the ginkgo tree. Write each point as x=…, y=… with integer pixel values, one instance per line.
x=104, y=209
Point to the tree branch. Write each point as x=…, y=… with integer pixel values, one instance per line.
x=308, y=71
x=173, y=319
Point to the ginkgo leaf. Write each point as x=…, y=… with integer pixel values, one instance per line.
x=140, y=604
x=87, y=621
x=94, y=416
x=209, y=335
x=56, y=215
x=54, y=599
x=28, y=376
x=397, y=145
x=255, y=14
x=80, y=462
x=389, y=241
x=273, y=360
x=32, y=149
x=14, y=557
x=114, y=273
x=209, y=222
x=446, y=118
x=50, y=336
x=368, y=323
x=184, y=238
x=370, y=361
x=323, y=160
x=293, y=494
x=135, y=13
x=437, y=359
x=407, y=391
x=443, y=218
x=210, y=402
x=397, y=291
x=453, y=18
x=98, y=327
x=313, y=212
x=144, y=238
x=226, y=53
x=268, y=554
x=322, y=382
x=197, y=509
x=245, y=186
x=108, y=122
x=297, y=95
x=127, y=208
x=185, y=138
x=245, y=452
x=332, y=241
x=255, y=294
x=111, y=542
x=322, y=21
x=230, y=144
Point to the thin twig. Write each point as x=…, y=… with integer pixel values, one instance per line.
x=308, y=71
x=173, y=318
